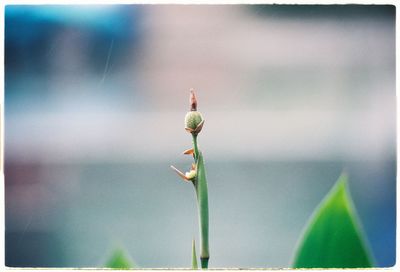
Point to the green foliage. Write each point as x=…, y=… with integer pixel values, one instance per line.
x=119, y=260
x=194, y=256
x=333, y=237
x=202, y=198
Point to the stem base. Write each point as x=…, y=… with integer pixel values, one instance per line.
x=204, y=262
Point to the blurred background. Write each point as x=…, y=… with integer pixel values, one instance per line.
x=95, y=98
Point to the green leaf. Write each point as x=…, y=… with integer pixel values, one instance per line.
x=194, y=257
x=333, y=237
x=202, y=199
x=119, y=260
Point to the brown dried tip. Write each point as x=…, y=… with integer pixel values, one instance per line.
x=197, y=130
x=183, y=176
x=193, y=100
x=189, y=151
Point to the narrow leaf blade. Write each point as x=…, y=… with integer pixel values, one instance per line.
x=119, y=260
x=202, y=198
x=194, y=256
x=333, y=237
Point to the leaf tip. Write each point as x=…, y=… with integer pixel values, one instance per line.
x=119, y=260
x=340, y=189
x=194, y=256
x=334, y=233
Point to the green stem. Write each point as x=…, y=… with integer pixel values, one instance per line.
x=204, y=262
x=195, y=147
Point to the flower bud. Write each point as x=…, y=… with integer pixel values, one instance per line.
x=190, y=175
x=193, y=119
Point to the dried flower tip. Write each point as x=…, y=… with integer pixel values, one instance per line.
x=189, y=151
x=188, y=176
x=193, y=100
x=183, y=176
x=199, y=127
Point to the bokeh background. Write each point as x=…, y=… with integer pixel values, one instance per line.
x=95, y=98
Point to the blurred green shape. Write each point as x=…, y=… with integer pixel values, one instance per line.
x=194, y=256
x=333, y=237
x=202, y=201
x=119, y=260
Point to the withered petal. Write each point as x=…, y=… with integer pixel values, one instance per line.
x=189, y=130
x=189, y=151
x=199, y=127
x=180, y=173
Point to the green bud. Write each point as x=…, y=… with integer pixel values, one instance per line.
x=193, y=119
x=191, y=174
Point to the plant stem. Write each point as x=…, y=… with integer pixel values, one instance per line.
x=195, y=147
x=204, y=262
